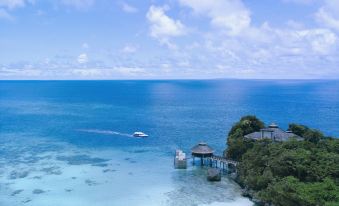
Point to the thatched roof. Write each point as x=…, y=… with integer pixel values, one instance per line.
x=202, y=149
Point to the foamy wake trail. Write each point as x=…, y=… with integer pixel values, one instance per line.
x=105, y=132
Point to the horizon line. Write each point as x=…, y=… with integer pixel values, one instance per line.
x=176, y=79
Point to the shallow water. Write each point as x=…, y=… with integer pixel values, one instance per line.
x=70, y=142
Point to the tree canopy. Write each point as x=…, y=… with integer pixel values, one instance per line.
x=237, y=145
x=291, y=173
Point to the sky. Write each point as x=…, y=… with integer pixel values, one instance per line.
x=169, y=39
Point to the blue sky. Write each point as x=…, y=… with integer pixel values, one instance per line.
x=174, y=39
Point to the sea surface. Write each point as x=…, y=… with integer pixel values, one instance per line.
x=69, y=143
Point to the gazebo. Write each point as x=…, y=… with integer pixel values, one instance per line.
x=202, y=150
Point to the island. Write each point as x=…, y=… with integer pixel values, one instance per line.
x=297, y=167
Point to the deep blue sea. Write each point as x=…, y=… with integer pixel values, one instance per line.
x=69, y=142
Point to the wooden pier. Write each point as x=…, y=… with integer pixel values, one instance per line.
x=205, y=153
x=220, y=162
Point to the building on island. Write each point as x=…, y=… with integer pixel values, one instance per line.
x=274, y=133
x=202, y=150
x=180, y=160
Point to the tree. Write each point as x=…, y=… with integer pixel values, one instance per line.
x=308, y=134
x=237, y=144
x=298, y=129
x=289, y=191
x=303, y=173
x=313, y=135
x=247, y=124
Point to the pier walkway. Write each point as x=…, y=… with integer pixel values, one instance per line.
x=205, y=153
x=219, y=161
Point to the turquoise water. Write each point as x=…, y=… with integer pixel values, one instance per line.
x=69, y=143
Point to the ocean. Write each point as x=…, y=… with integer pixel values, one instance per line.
x=69, y=142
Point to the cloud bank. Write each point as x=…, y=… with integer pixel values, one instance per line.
x=183, y=39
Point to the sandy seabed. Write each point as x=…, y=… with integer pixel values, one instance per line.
x=42, y=172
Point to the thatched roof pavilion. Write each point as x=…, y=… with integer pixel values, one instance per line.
x=202, y=150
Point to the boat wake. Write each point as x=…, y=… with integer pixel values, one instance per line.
x=104, y=132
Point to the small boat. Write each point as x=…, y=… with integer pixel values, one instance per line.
x=140, y=134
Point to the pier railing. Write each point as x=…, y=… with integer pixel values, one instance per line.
x=223, y=159
x=219, y=161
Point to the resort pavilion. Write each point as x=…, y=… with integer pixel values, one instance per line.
x=274, y=133
x=202, y=150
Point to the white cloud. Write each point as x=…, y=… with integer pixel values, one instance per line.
x=248, y=47
x=107, y=73
x=40, y=13
x=278, y=53
x=11, y=4
x=27, y=70
x=294, y=24
x=299, y=1
x=184, y=63
x=85, y=45
x=5, y=15
x=328, y=14
x=128, y=8
x=129, y=49
x=321, y=40
x=82, y=58
x=130, y=71
x=302, y=42
x=78, y=4
x=87, y=72
x=233, y=47
x=230, y=15
x=162, y=26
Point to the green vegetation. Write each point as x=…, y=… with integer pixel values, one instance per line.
x=291, y=173
x=237, y=144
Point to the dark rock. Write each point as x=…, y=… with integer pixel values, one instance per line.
x=26, y=201
x=108, y=170
x=81, y=159
x=100, y=164
x=18, y=174
x=90, y=182
x=37, y=191
x=16, y=192
x=213, y=174
x=37, y=177
x=52, y=170
x=140, y=151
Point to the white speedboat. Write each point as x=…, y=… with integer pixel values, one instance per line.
x=140, y=134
